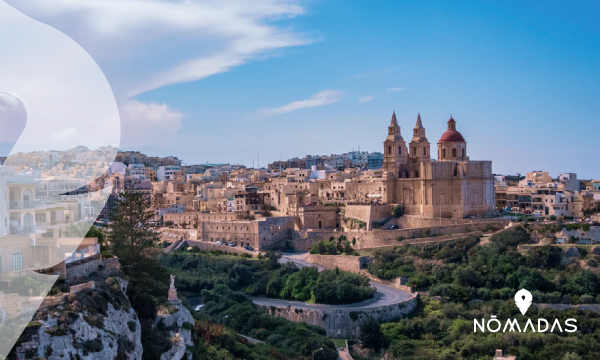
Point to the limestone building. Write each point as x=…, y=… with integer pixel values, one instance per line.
x=453, y=186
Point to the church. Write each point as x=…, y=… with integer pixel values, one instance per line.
x=453, y=186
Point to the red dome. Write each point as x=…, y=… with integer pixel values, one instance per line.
x=452, y=136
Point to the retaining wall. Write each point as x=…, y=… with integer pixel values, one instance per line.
x=357, y=265
x=344, y=322
x=86, y=268
x=363, y=239
x=60, y=299
x=368, y=213
x=207, y=246
x=589, y=307
x=342, y=262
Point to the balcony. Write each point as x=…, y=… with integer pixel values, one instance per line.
x=42, y=225
x=19, y=205
x=20, y=230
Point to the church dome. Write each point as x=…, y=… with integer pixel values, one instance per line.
x=451, y=135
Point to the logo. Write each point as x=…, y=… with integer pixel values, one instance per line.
x=523, y=300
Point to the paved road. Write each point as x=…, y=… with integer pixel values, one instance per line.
x=343, y=354
x=386, y=295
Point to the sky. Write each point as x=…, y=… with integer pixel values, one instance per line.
x=235, y=81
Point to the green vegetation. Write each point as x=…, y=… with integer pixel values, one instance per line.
x=226, y=313
x=333, y=247
x=444, y=330
x=398, y=210
x=267, y=278
x=461, y=271
x=371, y=335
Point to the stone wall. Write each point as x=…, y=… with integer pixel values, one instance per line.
x=342, y=262
x=414, y=221
x=362, y=239
x=368, y=213
x=357, y=265
x=206, y=246
x=60, y=299
x=344, y=322
x=589, y=307
x=77, y=288
x=88, y=267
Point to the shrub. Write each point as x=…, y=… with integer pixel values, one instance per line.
x=398, y=210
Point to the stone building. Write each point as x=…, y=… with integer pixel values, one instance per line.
x=451, y=187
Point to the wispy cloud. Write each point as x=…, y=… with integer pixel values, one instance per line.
x=142, y=45
x=322, y=98
x=395, y=89
x=365, y=99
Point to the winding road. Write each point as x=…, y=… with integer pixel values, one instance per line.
x=385, y=295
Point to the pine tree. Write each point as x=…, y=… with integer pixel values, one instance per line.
x=130, y=232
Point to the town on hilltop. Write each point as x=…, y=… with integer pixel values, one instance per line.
x=398, y=228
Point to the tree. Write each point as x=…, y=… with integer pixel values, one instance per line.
x=398, y=210
x=267, y=210
x=130, y=224
x=371, y=335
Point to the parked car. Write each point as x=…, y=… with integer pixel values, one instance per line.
x=537, y=213
x=249, y=248
x=219, y=243
x=393, y=227
x=231, y=244
x=199, y=307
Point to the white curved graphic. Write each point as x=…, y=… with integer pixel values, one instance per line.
x=49, y=181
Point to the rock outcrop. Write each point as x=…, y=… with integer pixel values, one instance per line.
x=94, y=324
x=178, y=321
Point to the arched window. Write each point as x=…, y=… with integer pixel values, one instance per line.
x=453, y=153
x=443, y=153
x=389, y=150
x=463, y=152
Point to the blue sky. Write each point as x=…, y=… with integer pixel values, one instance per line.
x=522, y=80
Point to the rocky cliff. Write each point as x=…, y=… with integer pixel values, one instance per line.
x=92, y=324
x=178, y=323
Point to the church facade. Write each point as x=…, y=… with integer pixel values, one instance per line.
x=453, y=186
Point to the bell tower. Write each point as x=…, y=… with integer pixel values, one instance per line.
x=395, y=153
x=420, y=148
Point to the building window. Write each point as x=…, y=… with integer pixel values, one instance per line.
x=453, y=153
x=399, y=150
x=425, y=151
x=17, y=261
x=463, y=153
x=389, y=150
x=443, y=153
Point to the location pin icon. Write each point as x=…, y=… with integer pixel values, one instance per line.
x=523, y=300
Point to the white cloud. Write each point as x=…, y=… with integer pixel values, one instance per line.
x=365, y=99
x=395, y=89
x=142, y=45
x=322, y=98
x=148, y=123
x=65, y=134
x=146, y=44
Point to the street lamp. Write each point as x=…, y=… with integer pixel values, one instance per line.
x=314, y=352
